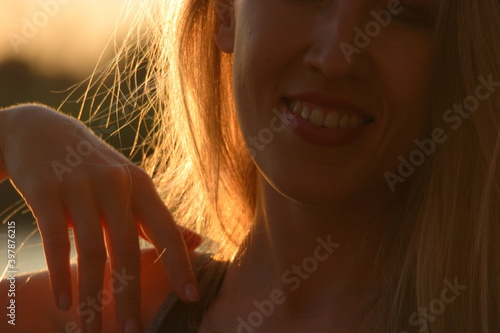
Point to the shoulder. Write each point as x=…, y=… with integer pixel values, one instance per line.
x=25, y=296
x=35, y=308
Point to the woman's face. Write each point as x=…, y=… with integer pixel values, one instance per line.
x=310, y=57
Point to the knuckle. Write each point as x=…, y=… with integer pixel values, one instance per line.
x=146, y=188
x=143, y=180
x=141, y=175
x=79, y=178
x=173, y=246
x=137, y=171
x=116, y=175
x=173, y=235
x=178, y=265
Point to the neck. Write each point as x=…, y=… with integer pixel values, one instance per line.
x=313, y=255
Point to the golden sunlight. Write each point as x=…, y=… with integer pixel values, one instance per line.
x=57, y=36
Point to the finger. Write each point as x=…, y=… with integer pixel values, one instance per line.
x=166, y=236
x=92, y=257
x=51, y=219
x=123, y=245
x=191, y=238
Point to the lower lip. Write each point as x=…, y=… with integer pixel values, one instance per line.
x=328, y=137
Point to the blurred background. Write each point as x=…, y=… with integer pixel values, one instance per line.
x=47, y=46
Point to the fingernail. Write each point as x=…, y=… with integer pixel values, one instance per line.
x=192, y=293
x=64, y=301
x=131, y=326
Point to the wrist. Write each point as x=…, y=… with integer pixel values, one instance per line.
x=7, y=120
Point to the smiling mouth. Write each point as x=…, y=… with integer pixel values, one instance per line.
x=327, y=117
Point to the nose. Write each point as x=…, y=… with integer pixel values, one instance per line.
x=334, y=50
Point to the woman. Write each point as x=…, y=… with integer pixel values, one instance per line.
x=344, y=155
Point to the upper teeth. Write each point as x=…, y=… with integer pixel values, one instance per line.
x=327, y=118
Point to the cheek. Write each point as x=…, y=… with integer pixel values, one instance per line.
x=400, y=71
x=406, y=75
x=260, y=62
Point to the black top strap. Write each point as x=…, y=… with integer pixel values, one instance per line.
x=174, y=316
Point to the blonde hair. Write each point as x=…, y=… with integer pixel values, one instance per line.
x=447, y=224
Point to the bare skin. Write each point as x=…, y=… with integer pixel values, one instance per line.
x=100, y=195
x=329, y=296
x=309, y=190
x=306, y=191
x=34, y=313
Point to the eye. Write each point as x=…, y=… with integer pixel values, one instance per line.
x=415, y=13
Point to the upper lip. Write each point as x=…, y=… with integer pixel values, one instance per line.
x=330, y=102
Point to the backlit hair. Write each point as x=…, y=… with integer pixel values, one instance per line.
x=447, y=227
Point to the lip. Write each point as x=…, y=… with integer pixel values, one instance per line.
x=322, y=136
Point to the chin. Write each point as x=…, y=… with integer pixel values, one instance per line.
x=316, y=191
x=315, y=182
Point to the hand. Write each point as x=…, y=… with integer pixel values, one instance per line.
x=70, y=178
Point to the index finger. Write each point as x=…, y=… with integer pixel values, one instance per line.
x=167, y=237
